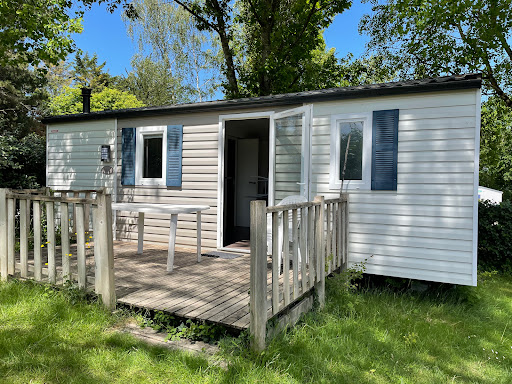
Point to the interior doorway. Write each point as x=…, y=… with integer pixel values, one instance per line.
x=246, y=167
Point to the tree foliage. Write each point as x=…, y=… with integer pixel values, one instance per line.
x=496, y=146
x=433, y=37
x=70, y=101
x=173, y=52
x=268, y=46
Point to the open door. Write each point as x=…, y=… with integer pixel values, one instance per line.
x=289, y=163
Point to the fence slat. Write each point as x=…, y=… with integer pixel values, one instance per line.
x=38, y=261
x=275, y=263
x=320, y=251
x=24, y=238
x=295, y=253
x=258, y=279
x=328, y=226
x=50, y=238
x=104, y=251
x=286, y=257
x=80, y=245
x=66, y=253
x=11, y=236
x=311, y=245
x=87, y=211
x=3, y=235
x=346, y=232
x=303, y=250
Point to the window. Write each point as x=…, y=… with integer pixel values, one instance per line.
x=350, y=151
x=151, y=154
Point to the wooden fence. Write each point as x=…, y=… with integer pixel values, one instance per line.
x=308, y=240
x=33, y=222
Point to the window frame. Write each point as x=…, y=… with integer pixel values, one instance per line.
x=139, y=155
x=334, y=180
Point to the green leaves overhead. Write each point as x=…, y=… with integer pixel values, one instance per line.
x=432, y=37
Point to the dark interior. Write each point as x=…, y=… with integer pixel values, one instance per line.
x=246, y=165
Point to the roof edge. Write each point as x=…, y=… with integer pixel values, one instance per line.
x=467, y=81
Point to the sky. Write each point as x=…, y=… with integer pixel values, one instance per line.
x=105, y=34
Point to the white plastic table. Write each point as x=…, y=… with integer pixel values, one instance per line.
x=171, y=209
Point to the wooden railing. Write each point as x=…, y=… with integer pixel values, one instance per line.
x=30, y=249
x=308, y=240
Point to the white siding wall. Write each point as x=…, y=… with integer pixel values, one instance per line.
x=73, y=151
x=424, y=230
x=199, y=183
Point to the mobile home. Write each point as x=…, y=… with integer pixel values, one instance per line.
x=411, y=167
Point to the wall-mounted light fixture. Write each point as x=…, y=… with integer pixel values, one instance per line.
x=105, y=153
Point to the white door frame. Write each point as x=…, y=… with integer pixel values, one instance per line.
x=220, y=189
x=307, y=111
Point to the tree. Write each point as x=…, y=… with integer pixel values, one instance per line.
x=70, y=101
x=267, y=46
x=174, y=52
x=434, y=37
x=496, y=146
x=88, y=73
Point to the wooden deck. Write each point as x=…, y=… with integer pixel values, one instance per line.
x=215, y=290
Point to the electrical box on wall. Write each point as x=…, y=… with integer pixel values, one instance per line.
x=105, y=153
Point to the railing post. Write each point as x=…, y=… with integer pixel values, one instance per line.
x=320, y=252
x=104, y=250
x=258, y=275
x=3, y=234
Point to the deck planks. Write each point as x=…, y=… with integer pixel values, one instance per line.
x=213, y=290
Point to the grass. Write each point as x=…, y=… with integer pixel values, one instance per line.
x=378, y=334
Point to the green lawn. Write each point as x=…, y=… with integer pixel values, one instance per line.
x=377, y=335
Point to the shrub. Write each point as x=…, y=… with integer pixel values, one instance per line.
x=495, y=236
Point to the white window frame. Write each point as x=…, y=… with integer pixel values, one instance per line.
x=139, y=155
x=334, y=180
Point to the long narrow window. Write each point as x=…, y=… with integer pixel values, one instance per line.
x=152, y=163
x=351, y=145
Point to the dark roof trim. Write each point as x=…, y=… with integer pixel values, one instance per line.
x=457, y=82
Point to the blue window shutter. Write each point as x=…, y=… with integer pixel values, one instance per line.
x=385, y=150
x=174, y=152
x=128, y=156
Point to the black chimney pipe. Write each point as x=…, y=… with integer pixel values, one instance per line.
x=86, y=100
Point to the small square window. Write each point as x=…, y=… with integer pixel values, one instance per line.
x=151, y=155
x=350, y=151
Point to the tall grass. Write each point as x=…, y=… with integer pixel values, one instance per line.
x=377, y=334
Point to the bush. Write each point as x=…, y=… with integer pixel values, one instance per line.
x=495, y=236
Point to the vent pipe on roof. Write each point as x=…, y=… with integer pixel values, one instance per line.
x=86, y=100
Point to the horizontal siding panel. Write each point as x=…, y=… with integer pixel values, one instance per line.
x=200, y=136
x=211, y=153
x=411, y=231
x=438, y=112
x=195, y=169
x=412, y=210
x=418, y=253
x=461, y=201
x=74, y=155
x=58, y=165
x=288, y=159
x=167, y=199
x=448, y=167
x=411, y=241
x=435, y=178
x=413, y=263
x=440, y=134
x=68, y=135
x=436, y=145
x=128, y=192
x=409, y=273
x=200, y=176
x=445, y=123
x=201, y=129
x=195, y=145
x=78, y=142
x=415, y=221
x=200, y=161
x=437, y=189
x=435, y=156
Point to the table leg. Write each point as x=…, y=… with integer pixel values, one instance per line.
x=140, y=230
x=198, y=219
x=172, y=242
